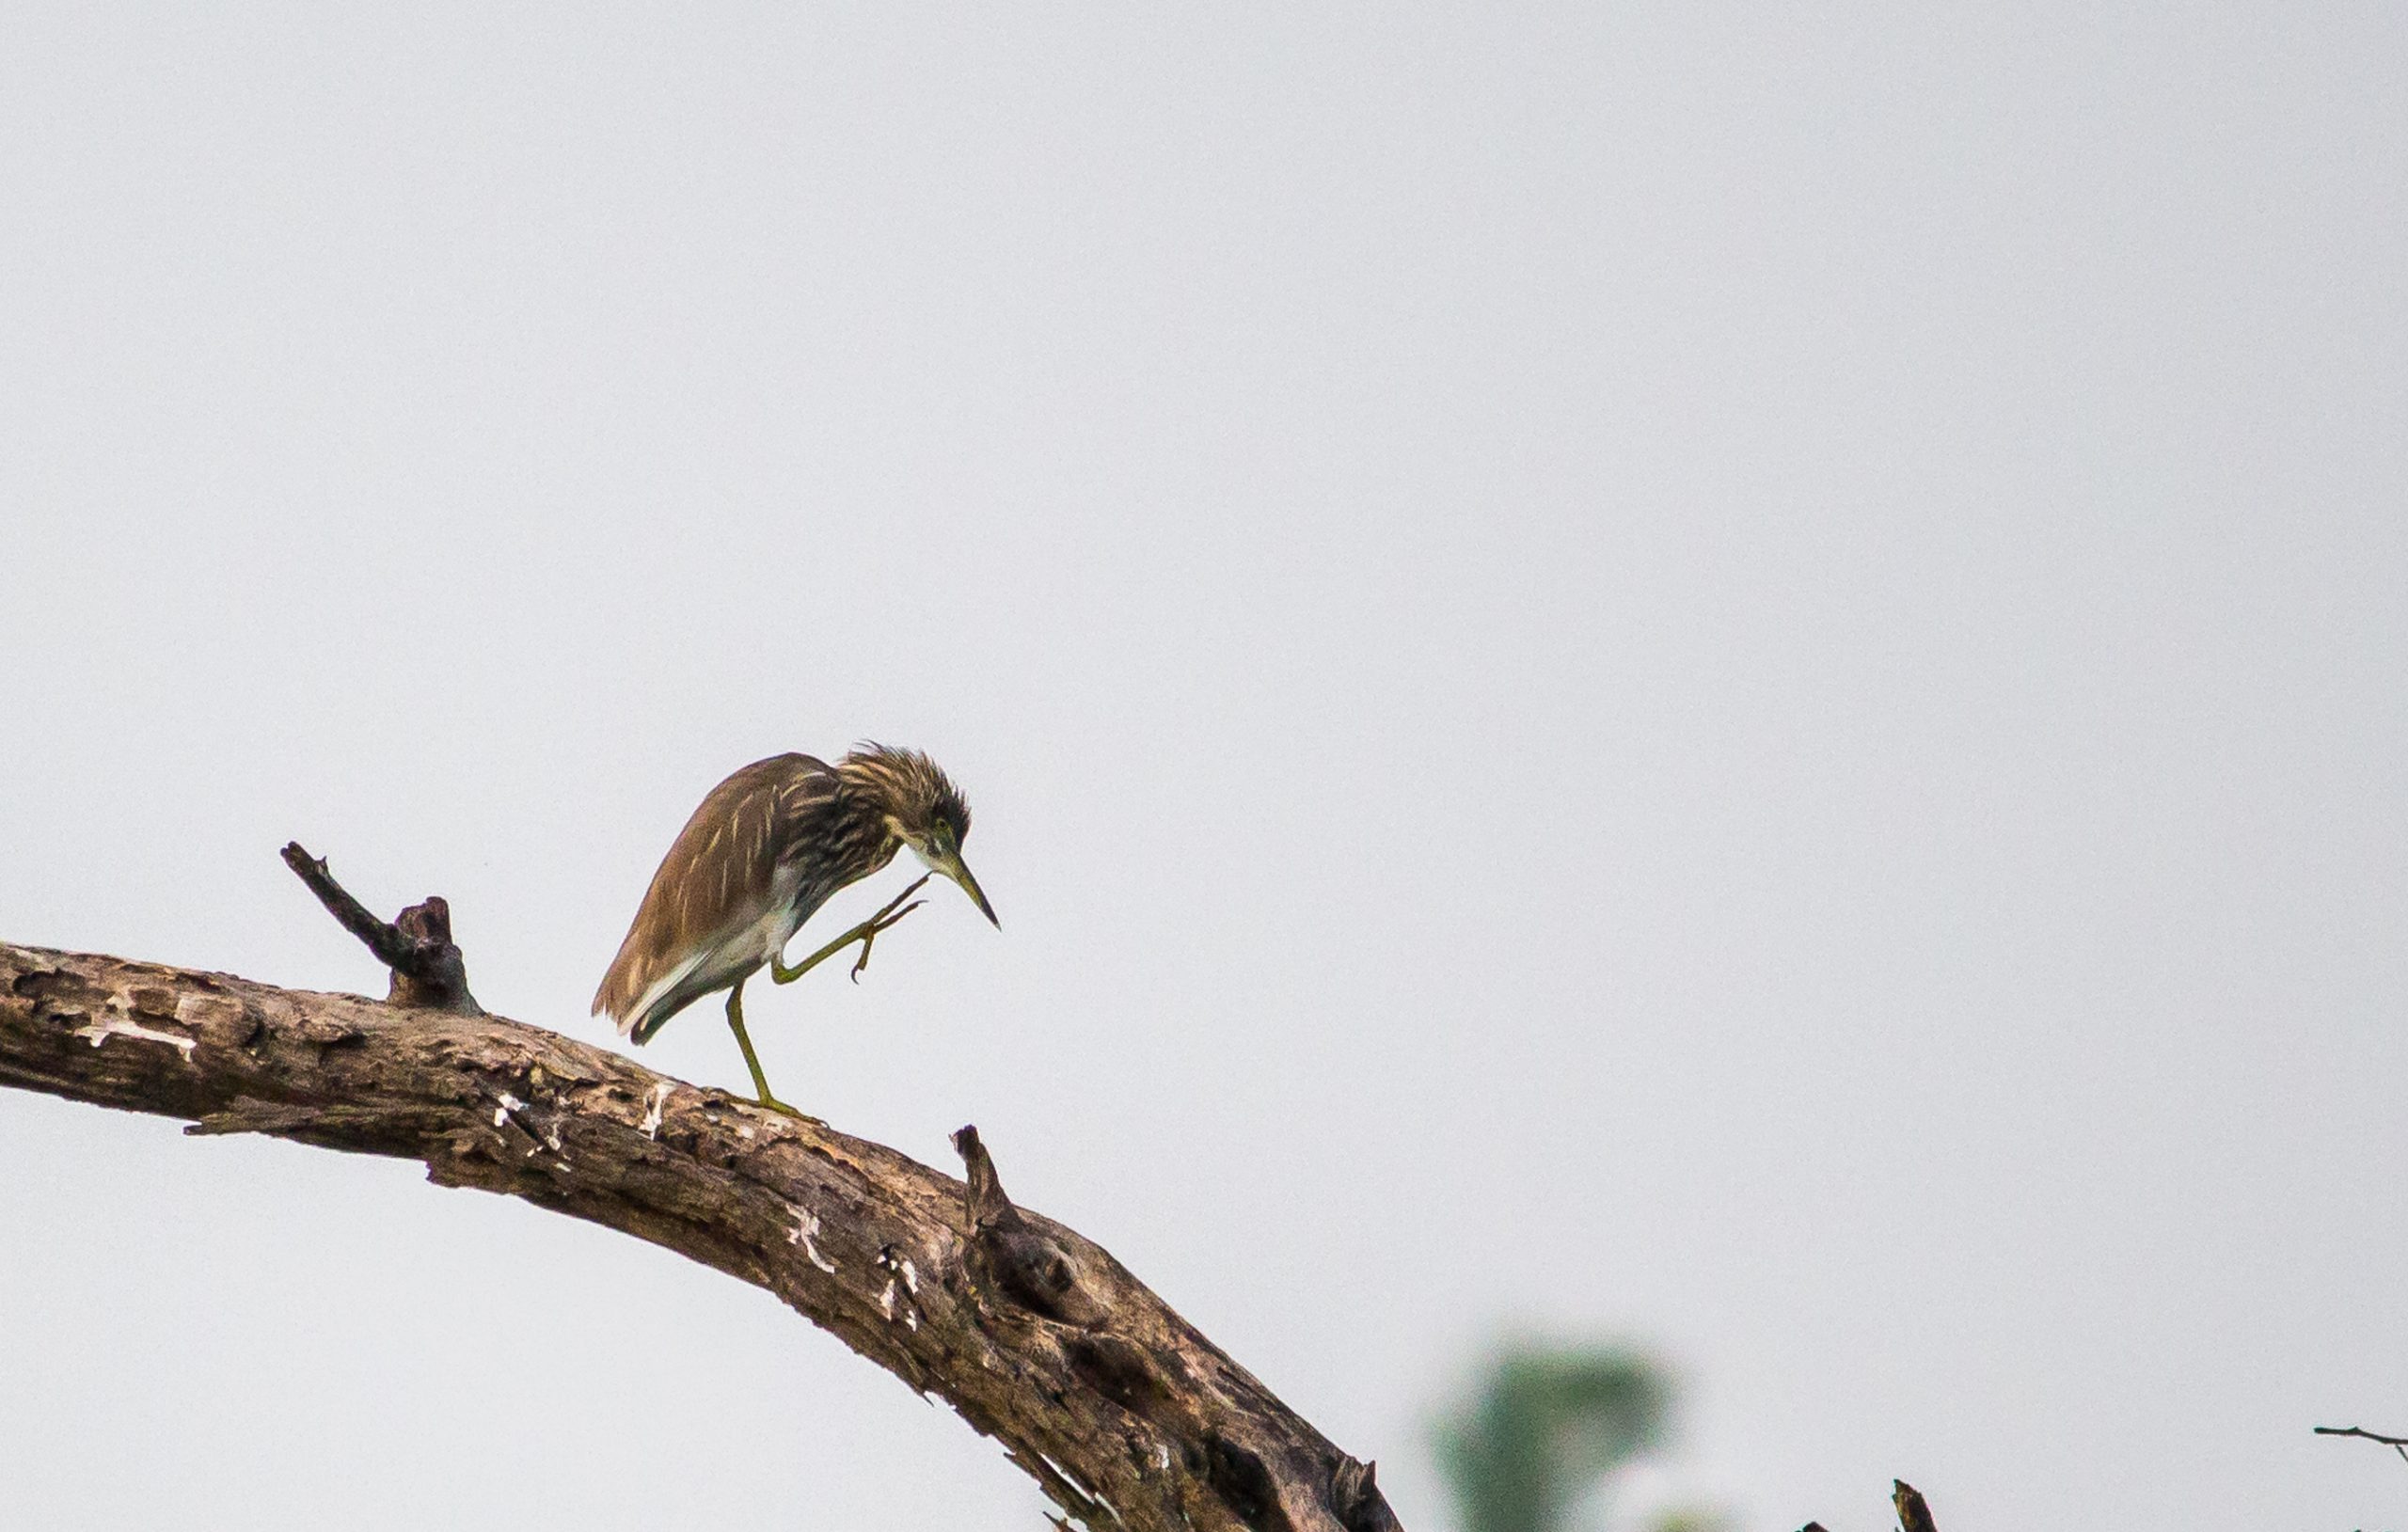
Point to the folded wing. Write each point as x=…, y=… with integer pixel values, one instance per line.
x=716, y=882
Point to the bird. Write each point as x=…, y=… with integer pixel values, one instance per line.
x=766, y=849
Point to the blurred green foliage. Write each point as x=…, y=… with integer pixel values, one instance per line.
x=1542, y=1428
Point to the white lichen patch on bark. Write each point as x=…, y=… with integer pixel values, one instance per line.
x=108, y=1027
x=655, y=1106
x=806, y=1225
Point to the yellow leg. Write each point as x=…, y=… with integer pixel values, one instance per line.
x=865, y=933
x=751, y=1060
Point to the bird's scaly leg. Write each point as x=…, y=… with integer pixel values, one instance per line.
x=751, y=1060
x=865, y=933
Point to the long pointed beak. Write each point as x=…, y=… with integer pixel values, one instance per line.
x=954, y=868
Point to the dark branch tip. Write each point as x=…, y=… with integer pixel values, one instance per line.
x=1913, y=1515
x=427, y=969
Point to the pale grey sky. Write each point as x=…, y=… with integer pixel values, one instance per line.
x=1725, y=675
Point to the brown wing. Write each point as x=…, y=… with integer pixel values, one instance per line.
x=716, y=877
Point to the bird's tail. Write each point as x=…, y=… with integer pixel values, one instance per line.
x=640, y=1008
x=641, y=1026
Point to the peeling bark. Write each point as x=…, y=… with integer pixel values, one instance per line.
x=1124, y=1416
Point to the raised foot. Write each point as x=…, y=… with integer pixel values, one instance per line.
x=865, y=933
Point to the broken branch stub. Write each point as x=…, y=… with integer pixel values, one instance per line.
x=427, y=969
x=1015, y=1258
x=1913, y=1515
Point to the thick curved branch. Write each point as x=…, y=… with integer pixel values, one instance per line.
x=1121, y=1412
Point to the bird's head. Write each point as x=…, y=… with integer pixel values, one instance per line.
x=922, y=807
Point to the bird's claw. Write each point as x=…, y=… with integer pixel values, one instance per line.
x=765, y=1099
x=870, y=935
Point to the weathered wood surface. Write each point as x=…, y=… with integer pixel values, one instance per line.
x=1117, y=1407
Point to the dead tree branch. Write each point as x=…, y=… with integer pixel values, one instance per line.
x=2396, y=1444
x=1913, y=1515
x=1124, y=1416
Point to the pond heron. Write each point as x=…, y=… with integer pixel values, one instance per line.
x=767, y=848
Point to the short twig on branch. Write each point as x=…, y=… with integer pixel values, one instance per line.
x=428, y=969
x=2396, y=1444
